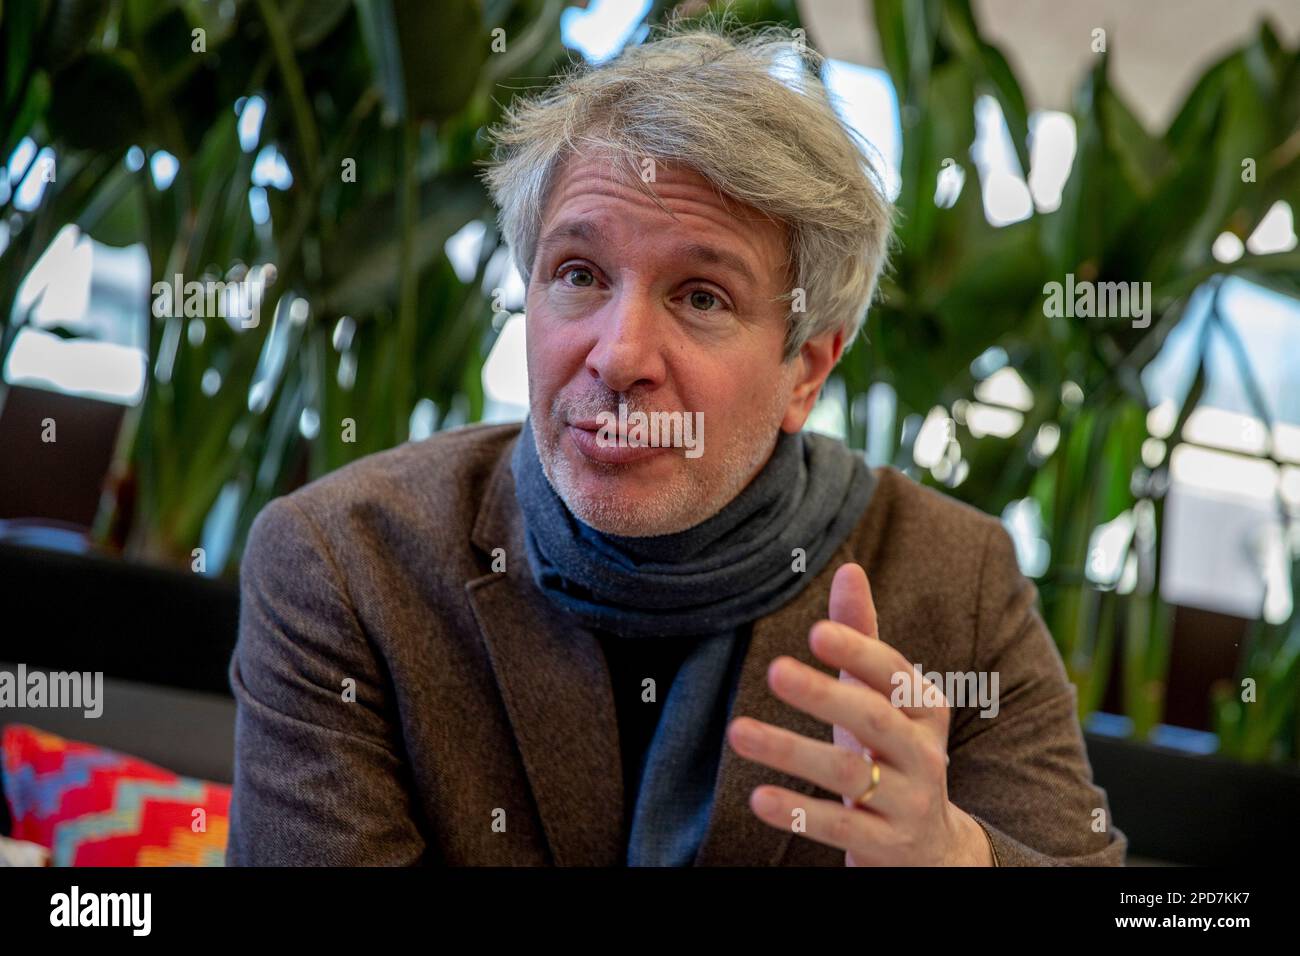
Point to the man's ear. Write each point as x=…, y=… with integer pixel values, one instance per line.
x=814, y=363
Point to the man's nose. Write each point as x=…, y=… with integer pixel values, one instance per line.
x=628, y=351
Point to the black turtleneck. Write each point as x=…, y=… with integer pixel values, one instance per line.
x=630, y=662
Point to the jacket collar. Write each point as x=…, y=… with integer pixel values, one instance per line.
x=558, y=695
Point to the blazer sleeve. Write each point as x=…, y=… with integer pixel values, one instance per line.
x=1023, y=773
x=320, y=778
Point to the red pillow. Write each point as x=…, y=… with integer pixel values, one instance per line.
x=97, y=807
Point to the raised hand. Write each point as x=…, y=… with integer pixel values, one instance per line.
x=906, y=819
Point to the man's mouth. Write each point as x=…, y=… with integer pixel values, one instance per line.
x=608, y=448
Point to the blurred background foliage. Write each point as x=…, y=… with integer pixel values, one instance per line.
x=367, y=318
x=365, y=315
x=1135, y=206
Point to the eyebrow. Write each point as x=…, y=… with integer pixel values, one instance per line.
x=574, y=229
x=585, y=230
x=699, y=252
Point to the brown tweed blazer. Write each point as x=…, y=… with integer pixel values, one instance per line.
x=401, y=702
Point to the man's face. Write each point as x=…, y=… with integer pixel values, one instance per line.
x=665, y=312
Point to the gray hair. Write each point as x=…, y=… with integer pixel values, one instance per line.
x=743, y=107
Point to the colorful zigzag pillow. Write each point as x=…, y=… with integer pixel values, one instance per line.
x=97, y=807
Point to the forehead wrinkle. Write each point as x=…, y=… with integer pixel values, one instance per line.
x=691, y=191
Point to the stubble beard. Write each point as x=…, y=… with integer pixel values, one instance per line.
x=698, y=488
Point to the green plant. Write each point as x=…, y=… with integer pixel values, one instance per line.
x=1136, y=207
x=1256, y=716
x=366, y=316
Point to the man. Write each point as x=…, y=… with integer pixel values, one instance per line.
x=577, y=642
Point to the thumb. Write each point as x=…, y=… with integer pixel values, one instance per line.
x=850, y=602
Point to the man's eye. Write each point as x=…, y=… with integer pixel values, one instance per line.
x=701, y=299
x=583, y=283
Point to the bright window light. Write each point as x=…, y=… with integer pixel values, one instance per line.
x=87, y=367
x=1023, y=519
x=20, y=159
x=251, y=110
x=271, y=169
x=1224, y=474
x=57, y=290
x=164, y=167
x=932, y=440
x=463, y=249
x=423, y=417
x=1275, y=232
x=1052, y=144
x=33, y=185
x=258, y=207
x=991, y=420
x=866, y=102
x=1220, y=514
x=501, y=274
x=505, y=374
x=1006, y=387
x=1266, y=323
x=1006, y=196
x=1106, y=550
x=604, y=28
x=1227, y=248
x=1231, y=431
x=827, y=415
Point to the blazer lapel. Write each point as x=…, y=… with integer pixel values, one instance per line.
x=557, y=692
x=735, y=836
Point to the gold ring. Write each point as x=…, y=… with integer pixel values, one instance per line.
x=875, y=781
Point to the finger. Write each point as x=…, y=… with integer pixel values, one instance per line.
x=864, y=713
x=870, y=660
x=832, y=768
x=850, y=602
x=828, y=822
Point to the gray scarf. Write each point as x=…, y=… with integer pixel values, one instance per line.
x=749, y=559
